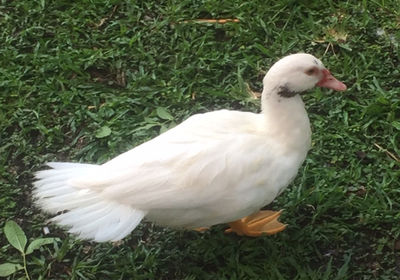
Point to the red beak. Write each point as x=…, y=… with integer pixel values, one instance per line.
x=328, y=81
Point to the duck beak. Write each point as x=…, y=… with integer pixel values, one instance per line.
x=328, y=81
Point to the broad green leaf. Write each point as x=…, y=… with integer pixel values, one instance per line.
x=15, y=235
x=37, y=243
x=103, y=131
x=396, y=125
x=163, y=129
x=164, y=114
x=7, y=269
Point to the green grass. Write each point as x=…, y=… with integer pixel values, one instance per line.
x=86, y=81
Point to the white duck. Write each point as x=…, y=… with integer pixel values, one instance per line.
x=216, y=167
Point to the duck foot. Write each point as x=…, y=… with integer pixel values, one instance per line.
x=264, y=222
x=201, y=229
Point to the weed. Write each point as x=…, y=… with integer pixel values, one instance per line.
x=17, y=238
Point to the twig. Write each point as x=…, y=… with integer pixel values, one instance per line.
x=103, y=20
x=253, y=94
x=387, y=152
x=330, y=45
x=209, y=20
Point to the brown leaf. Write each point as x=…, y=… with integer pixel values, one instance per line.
x=120, y=78
x=211, y=20
x=252, y=93
x=397, y=245
x=338, y=36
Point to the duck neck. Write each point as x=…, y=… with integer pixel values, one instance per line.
x=286, y=117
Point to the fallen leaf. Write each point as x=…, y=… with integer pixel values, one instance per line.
x=210, y=20
x=338, y=36
x=252, y=93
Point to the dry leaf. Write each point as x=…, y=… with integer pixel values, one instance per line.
x=209, y=20
x=338, y=36
x=252, y=93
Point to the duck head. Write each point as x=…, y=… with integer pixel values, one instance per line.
x=297, y=73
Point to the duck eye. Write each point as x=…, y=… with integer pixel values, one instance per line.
x=311, y=71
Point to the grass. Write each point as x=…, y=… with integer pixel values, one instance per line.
x=85, y=81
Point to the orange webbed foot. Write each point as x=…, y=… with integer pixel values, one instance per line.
x=264, y=222
x=201, y=229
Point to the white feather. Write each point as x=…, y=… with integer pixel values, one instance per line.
x=88, y=215
x=213, y=168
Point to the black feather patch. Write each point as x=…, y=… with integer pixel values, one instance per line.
x=284, y=91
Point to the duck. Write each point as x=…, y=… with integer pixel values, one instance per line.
x=219, y=167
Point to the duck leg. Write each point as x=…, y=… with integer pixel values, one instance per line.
x=264, y=222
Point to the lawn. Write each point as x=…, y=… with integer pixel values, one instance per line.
x=86, y=80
